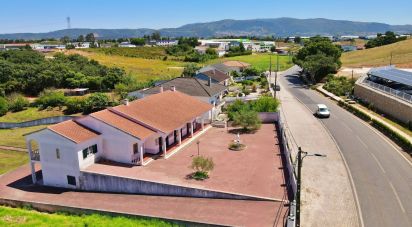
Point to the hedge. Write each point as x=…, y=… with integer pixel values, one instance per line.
x=395, y=136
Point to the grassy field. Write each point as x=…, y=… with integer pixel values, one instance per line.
x=10, y=160
x=23, y=217
x=260, y=61
x=380, y=56
x=14, y=137
x=137, y=52
x=29, y=114
x=142, y=69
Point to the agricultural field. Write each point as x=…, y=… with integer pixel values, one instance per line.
x=380, y=56
x=10, y=160
x=31, y=113
x=14, y=137
x=141, y=68
x=260, y=61
x=26, y=217
x=138, y=52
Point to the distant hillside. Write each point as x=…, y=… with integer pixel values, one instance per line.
x=380, y=56
x=258, y=27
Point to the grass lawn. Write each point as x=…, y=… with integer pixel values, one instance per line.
x=10, y=160
x=23, y=217
x=29, y=114
x=380, y=56
x=142, y=69
x=14, y=137
x=260, y=61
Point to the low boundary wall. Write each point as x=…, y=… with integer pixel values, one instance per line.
x=43, y=121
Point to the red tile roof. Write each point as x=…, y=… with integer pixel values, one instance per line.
x=73, y=131
x=123, y=124
x=164, y=111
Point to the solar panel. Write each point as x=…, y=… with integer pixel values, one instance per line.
x=393, y=74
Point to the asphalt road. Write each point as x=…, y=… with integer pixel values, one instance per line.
x=382, y=176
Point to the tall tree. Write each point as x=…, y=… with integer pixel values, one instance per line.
x=80, y=38
x=65, y=39
x=90, y=37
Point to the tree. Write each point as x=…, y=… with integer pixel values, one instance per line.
x=190, y=70
x=211, y=51
x=90, y=38
x=265, y=104
x=17, y=102
x=138, y=41
x=50, y=98
x=202, y=166
x=74, y=105
x=380, y=40
x=298, y=39
x=3, y=106
x=95, y=102
x=319, y=57
x=80, y=38
x=120, y=90
x=247, y=119
x=273, y=49
x=242, y=47
x=155, y=36
x=65, y=39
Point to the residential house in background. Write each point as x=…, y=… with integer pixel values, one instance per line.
x=126, y=44
x=216, y=76
x=226, y=67
x=128, y=133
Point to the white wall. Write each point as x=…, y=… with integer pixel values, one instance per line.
x=116, y=145
x=92, y=158
x=55, y=170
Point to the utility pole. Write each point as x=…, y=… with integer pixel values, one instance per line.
x=298, y=186
x=270, y=69
x=276, y=73
x=390, y=62
x=352, y=74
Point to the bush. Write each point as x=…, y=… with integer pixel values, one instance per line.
x=265, y=104
x=96, y=102
x=4, y=107
x=339, y=86
x=75, y=105
x=17, y=102
x=235, y=107
x=247, y=119
x=50, y=98
x=202, y=166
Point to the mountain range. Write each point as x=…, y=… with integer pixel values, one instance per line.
x=279, y=27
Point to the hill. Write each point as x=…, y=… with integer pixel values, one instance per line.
x=380, y=56
x=256, y=27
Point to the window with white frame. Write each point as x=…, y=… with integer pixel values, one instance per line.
x=89, y=151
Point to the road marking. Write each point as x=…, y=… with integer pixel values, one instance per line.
x=363, y=143
x=397, y=197
x=379, y=163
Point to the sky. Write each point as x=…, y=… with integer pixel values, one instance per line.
x=49, y=15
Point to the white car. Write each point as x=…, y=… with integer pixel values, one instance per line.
x=322, y=111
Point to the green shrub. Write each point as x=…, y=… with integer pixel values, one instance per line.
x=339, y=86
x=75, y=105
x=235, y=107
x=265, y=104
x=17, y=102
x=4, y=107
x=96, y=102
x=202, y=166
x=247, y=119
x=50, y=98
x=399, y=139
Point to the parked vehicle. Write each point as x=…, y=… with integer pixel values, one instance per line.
x=322, y=111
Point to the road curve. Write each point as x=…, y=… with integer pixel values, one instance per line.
x=382, y=176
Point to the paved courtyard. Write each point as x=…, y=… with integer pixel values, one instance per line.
x=255, y=170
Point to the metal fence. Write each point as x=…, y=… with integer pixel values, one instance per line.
x=399, y=94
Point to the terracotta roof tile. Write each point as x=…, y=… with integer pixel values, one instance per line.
x=73, y=131
x=123, y=124
x=165, y=111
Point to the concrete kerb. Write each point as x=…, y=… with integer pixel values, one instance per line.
x=52, y=208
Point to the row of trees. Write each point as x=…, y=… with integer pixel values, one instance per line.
x=28, y=72
x=388, y=38
x=319, y=57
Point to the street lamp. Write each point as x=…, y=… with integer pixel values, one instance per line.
x=198, y=142
x=298, y=185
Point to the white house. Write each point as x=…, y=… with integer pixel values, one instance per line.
x=126, y=44
x=125, y=134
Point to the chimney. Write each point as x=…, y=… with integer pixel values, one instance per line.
x=161, y=88
x=173, y=88
x=126, y=102
x=209, y=83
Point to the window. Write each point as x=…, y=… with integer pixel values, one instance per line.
x=57, y=153
x=89, y=151
x=157, y=141
x=71, y=180
x=135, y=148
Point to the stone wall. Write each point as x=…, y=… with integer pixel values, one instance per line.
x=385, y=103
